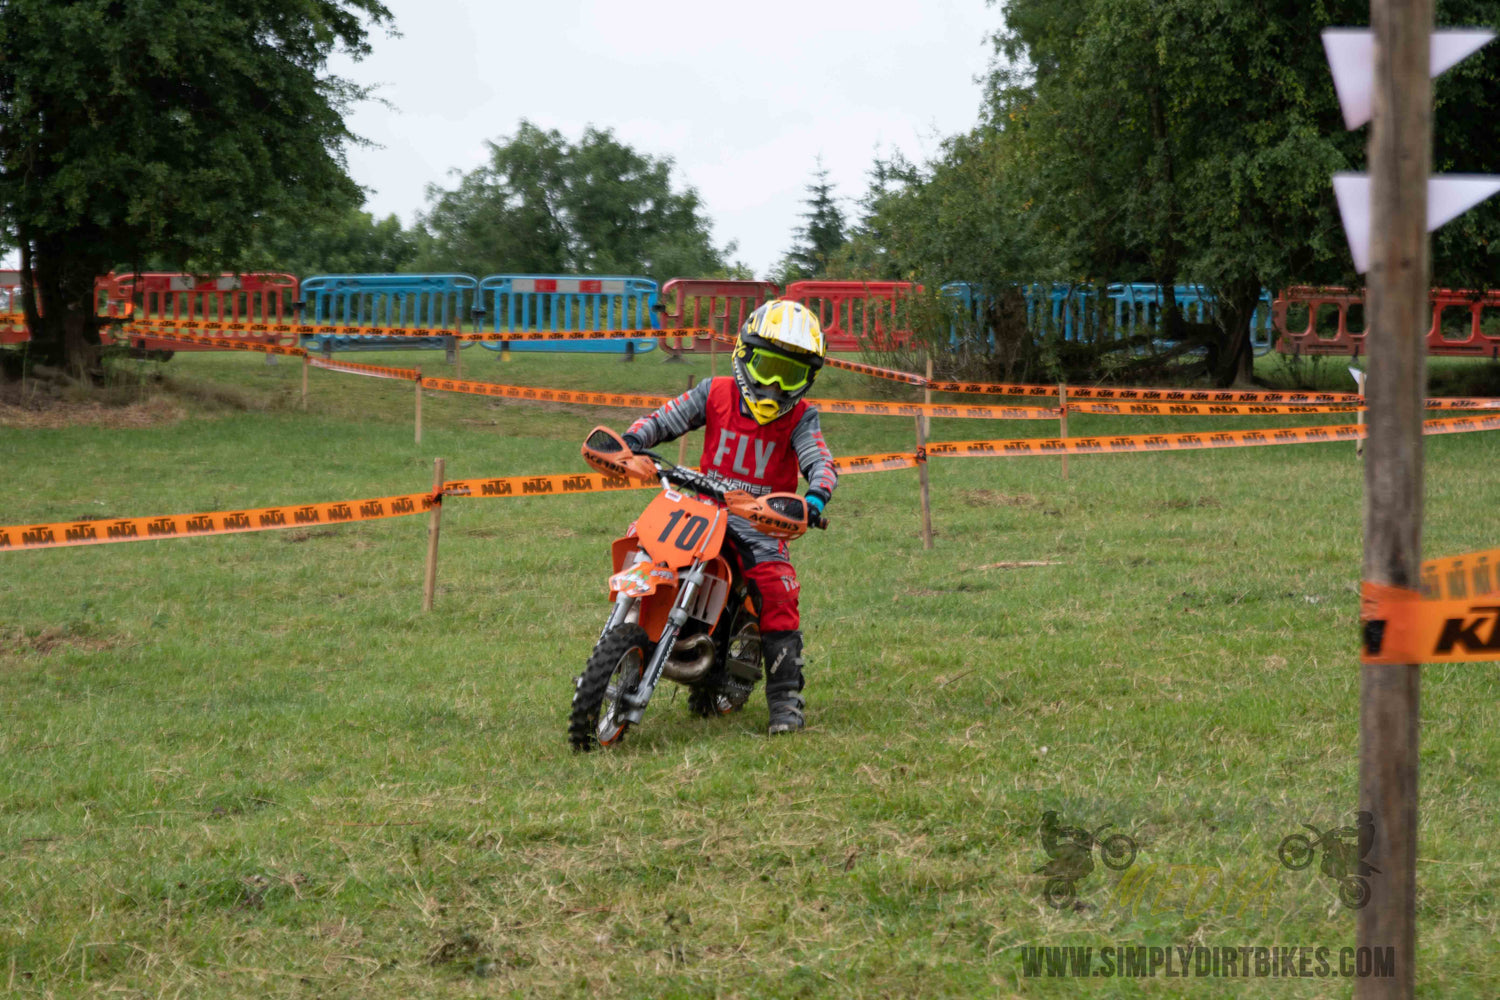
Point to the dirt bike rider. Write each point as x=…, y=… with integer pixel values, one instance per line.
x=759, y=434
x=1070, y=848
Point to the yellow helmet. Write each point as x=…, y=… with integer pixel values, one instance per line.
x=776, y=358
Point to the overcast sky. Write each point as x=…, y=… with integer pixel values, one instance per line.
x=741, y=98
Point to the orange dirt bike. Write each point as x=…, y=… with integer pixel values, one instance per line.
x=680, y=609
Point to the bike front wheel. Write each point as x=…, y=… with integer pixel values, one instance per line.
x=613, y=670
x=1117, y=851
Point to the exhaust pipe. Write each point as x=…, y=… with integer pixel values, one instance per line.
x=690, y=659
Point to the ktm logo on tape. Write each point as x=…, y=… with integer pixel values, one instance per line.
x=1461, y=635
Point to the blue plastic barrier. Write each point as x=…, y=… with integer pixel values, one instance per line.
x=536, y=302
x=1073, y=311
x=1142, y=302
x=417, y=300
x=1070, y=310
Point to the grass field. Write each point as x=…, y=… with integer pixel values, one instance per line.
x=249, y=766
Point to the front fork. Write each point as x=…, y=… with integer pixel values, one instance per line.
x=634, y=702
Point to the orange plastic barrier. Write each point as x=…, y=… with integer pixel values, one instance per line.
x=721, y=305
x=1472, y=310
x=856, y=314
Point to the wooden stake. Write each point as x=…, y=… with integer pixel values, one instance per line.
x=1359, y=418
x=713, y=357
x=306, y=364
x=419, y=408
x=458, y=358
x=1400, y=157
x=682, y=441
x=922, y=484
x=927, y=398
x=1062, y=421
x=434, y=525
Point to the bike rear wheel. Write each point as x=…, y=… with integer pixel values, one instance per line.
x=614, y=668
x=1295, y=851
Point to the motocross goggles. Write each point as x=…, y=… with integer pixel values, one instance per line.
x=770, y=368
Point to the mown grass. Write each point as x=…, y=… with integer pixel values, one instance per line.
x=249, y=766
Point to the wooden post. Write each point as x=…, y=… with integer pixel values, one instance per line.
x=682, y=441
x=1359, y=418
x=1400, y=160
x=1062, y=421
x=713, y=356
x=458, y=358
x=434, y=525
x=306, y=364
x=927, y=398
x=922, y=484
x=419, y=407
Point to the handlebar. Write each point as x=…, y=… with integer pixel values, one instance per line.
x=709, y=485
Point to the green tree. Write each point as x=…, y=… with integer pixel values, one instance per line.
x=543, y=205
x=346, y=241
x=815, y=243
x=132, y=131
x=870, y=253
x=1194, y=141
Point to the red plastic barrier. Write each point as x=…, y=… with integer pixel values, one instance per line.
x=1473, y=310
x=12, y=318
x=230, y=298
x=857, y=314
x=721, y=305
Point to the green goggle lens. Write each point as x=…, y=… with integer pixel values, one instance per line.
x=766, y=368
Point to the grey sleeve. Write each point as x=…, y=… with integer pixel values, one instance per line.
x=813, y=456
x=669, y=422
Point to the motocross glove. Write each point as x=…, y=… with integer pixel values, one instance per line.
x=816, y=500
x=632, y=442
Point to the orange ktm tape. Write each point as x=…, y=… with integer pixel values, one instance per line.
x=526, y=335
x=529, y=486
x=875, y=463
x=1127, y=444
x=1454, y=578
x=374, y=371
x=131, y=332
x=1206, y=409
x=538, y=395
x=1399, y=627
x=1460, y=403
x=143, y=529
x=874, y=409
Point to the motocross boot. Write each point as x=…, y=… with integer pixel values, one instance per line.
x=783, y=656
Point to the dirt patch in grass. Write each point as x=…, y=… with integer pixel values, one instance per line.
x=28, y=410
x=51, y=640
x=308, y=534
x=994, y=498
x=1203, y=502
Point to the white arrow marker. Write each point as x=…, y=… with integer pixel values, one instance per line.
x=1351, y=57
x=1448, y=197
